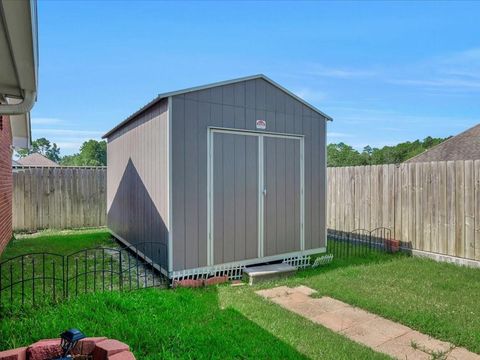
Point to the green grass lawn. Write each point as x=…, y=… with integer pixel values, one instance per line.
x=227, y=322
x=219, y=322
x=60, y=242
x=214, y=323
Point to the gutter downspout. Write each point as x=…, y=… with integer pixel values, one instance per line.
x=21, y=108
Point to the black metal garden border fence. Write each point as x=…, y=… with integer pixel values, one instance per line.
x=33, y=278
x=360, y=242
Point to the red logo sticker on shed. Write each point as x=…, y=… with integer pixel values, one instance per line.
x=261, y=124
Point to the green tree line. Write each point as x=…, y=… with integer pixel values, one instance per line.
x=92, y=153
x=341, y=154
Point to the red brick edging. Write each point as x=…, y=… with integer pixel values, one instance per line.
x=100, y=348
x=194, y=283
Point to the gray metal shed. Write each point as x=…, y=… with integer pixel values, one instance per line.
x=219, y=177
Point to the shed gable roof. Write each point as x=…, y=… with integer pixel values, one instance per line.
x=212, y=85
x=464, y=146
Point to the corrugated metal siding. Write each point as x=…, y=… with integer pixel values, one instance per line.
x=238, y=106
x=137, y=181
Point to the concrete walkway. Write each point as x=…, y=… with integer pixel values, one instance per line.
x=380, y=334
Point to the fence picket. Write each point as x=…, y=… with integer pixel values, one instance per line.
x=460, y=208
x=442, y=208
x=476, y=166
x=451, y=208
x=469, y=211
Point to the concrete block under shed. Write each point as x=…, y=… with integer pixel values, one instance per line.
x=255, y=274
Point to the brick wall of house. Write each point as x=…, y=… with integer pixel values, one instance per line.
x=6, y=182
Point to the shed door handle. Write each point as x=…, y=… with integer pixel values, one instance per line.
x=264, y=191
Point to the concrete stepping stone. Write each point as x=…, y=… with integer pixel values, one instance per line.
x=375, y=332
x=380, y=334
x=462, y=354
x=343, y=319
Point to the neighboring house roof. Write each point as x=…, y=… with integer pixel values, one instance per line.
x=464, y=146
x=208, y=86
x=18, y=66
x=36, y=159
x=14, y=163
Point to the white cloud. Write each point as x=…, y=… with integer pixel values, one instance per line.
x=449, y=73
x=388, y=128
x=72, y=145
x=311, y=95
x=338, y=135
x=69, y=145
x=379, y=128
x=466, y=57
x=46, y=121
x=452, y=82
x=463, y=73
x=342, y=73
x=389, y=119
x=359, y=110
x=67, y=139
x=70, y=132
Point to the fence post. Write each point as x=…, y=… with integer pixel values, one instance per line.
x=76, y=276
x=11, y=284
x=53, y=280
x=86, y=270
x=120, y=276
x=33, y=280
x=23, y=282
x=65, y=276
x=94, y=271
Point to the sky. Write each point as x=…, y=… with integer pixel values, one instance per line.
x=387, y=72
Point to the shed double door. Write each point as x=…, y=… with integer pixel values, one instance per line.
x=255, y=195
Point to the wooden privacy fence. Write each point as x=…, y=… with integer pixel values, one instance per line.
x=58, y=197
x=433, y=207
